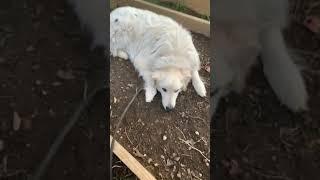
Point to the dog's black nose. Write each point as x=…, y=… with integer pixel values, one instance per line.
x=168, y=108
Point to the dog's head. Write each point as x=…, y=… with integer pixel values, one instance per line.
x=170, y=82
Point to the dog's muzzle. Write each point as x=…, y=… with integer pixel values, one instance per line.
x=168, y=108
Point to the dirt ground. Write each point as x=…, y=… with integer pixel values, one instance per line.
x=146, y=124
x=44, y=61
x=264, y=140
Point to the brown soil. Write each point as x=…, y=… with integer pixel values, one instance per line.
x=264, y=140
x=146, y=124
x=38, y=39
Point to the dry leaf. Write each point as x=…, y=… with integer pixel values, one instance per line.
x=207, y=67
x=137, y=153
x=313, y=23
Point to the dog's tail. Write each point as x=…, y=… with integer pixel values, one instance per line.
x=279, y=69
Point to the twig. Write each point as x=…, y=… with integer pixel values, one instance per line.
x=184, y=137
x=58, y=141
x=125, y=132
x=195, y=176
x=119, y=122
x=196, y=117
x=186, y=142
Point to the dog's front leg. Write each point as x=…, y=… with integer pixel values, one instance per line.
x=149, y=87
x=198, y=84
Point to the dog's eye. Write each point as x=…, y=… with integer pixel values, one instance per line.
x=116, y=20
x=164, y=89
x=176, y=90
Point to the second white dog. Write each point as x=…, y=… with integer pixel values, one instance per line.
x=160, y=49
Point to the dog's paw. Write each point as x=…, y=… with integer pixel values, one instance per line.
x=150, y=93
x=200, y=89
x=123, y=55
x=202, y=92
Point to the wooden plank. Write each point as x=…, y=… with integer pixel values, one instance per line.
x=192, y=23
x=131, y=162
x=200, y=6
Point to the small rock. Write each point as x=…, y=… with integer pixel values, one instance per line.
x=38, y=82
x=179, y=175
x=149, y=160
x=164, y=137
x=174, y=168
x=176, y=158
x=156, y=164
x=197, y=133
x=44, y=92
x=169, y=163
x=174, y=154
x=52, y=113
x=162, y=156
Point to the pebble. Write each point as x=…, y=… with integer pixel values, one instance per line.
x=197, y=133
x=179, y=175
x=164, y=137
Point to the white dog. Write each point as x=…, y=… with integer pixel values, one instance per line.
x=93, y=17
x=160, y=49
x=243, y=30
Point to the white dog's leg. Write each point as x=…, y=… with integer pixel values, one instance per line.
x=198, y=84
x=149, y=87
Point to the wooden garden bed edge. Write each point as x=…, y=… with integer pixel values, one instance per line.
x=132, y=163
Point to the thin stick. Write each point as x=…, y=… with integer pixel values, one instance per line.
x=194, y=148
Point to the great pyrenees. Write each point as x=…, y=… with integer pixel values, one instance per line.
x=242, y=31
x=161, y=50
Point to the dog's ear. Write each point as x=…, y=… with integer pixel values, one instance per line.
x=156, y=75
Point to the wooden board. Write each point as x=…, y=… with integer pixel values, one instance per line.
x=131, y=162
x=200, y=6
x=192, y=23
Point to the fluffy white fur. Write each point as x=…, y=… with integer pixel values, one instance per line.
x=243, y=30
x=93, y=17
x=160, y=49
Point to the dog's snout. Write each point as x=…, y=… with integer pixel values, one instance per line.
x=168, y=108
